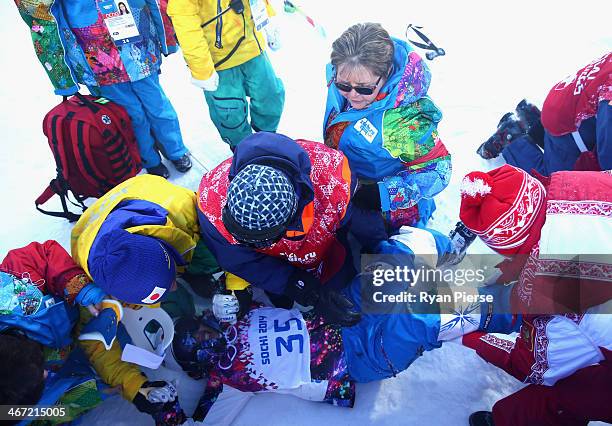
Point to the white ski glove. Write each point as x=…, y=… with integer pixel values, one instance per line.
x=210, y=84
x=168, y=393
x=225, y=307
x=272, y=36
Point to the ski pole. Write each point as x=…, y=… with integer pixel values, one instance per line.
x=427, y=44
x=198, y=161
x=291, y=7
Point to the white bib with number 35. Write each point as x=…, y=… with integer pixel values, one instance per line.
x=280, y=345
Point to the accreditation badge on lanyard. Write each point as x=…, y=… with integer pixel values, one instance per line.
x=260, y=14
x=118, y=18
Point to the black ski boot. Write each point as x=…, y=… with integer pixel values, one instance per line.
x=529, y=115
x=461, y=238
x=481, y=418
x=182, y=164
x=508, y=129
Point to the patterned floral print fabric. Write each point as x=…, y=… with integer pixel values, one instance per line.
x=414, y=81
x=327, y=361
x=408, y=130
x=46, y=40
x=394, y=141
x=101, y=53
x=235, y=369
x=87, y=55
x=112, y=64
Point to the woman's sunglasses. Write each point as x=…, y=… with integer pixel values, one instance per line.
x=360, y=89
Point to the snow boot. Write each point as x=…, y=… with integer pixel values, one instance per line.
x=159, y=170
x=481, y=418
x=508, y=129
x=183, y=164
x=529, y=115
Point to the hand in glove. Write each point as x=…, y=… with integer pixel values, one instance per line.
x=232, y=306
x=306, y=290
x=225, y=307
x=367, y=197
x=152, y=396
x=210, y=84
x=91, y=296
x=273, y=36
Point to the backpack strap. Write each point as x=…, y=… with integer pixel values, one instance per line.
x=56, y=188
x=57, y=145
x=59, y=185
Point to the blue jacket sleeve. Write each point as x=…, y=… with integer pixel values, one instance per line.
x=158, y=21
x=407, y=187
x=258, y=269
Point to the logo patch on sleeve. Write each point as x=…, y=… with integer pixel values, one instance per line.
x=367, y=129
x=155, y=295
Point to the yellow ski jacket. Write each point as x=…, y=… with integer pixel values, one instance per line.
x=226, y=42
x=181, y=230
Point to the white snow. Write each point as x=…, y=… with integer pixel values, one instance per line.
x=496, y=54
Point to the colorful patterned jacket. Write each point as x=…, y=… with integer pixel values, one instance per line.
x=393, y=141
x=74, y=44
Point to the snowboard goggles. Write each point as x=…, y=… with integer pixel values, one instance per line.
x=362, y=90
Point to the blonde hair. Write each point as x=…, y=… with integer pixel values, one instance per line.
x=366, y=44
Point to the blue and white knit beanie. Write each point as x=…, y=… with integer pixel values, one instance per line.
x=260, y=201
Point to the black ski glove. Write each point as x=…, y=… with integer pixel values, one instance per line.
x=152, y=397
x=306, y=289
x=367, y=197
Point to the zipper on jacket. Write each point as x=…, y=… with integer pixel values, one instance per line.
x=219, y=27
x=238, y=43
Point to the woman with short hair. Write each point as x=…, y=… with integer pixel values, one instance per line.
x=379, y=116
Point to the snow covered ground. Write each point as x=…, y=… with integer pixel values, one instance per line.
x=497, y=53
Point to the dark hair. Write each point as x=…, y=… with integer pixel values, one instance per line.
x=367, y=44
x=124, y=6
x=21, y=370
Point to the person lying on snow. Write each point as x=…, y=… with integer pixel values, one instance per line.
x=41, y=292
x=287, y=351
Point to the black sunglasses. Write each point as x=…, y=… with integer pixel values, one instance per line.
x=361, y=90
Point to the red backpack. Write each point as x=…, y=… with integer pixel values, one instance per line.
x=94, y=149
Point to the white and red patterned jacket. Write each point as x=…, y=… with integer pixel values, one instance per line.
x=564, y=288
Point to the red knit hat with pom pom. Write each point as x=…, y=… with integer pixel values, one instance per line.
x=500, y=206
